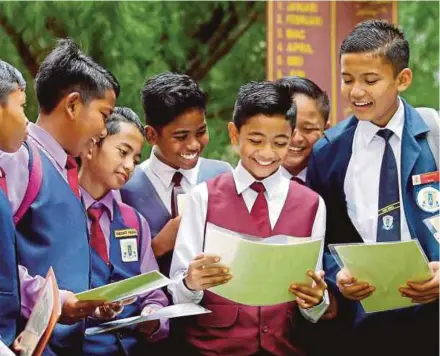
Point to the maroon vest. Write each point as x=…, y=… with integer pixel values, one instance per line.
x=235, y=329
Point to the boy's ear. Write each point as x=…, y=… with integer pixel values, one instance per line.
x=87, y=154
x=151, y=134
x=327, y=125
x=404, y=79
x=72, y=104
x=233, y=133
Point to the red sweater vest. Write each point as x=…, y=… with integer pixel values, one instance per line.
x=234, y=329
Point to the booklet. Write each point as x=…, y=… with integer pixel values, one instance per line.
x=173, y=311
x=126, y=288
x=43, y=318
x=433, y=224
x=387, y=266
x=262, y=269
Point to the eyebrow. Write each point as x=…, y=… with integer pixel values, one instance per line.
x=256, y=133
x=282, y=136
x=127, y=146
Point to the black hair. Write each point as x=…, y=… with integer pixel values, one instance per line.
x=168, y=95
x=382, y=38
x=299, y=85
x=66, y=69
x=119, y=115
x=264, y=98
x=10, y=80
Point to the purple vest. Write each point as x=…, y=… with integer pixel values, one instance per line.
x=234, y=329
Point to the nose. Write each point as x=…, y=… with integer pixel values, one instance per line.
x=193, y=145
x=297, y=137
x=266, y=152
x=357, y=92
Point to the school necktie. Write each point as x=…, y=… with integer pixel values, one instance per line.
x=260, y=210
x=177, y=179
x=298, y=180
x=3, y=185
x=97, y=239
x=388, y=220
x=72, y=174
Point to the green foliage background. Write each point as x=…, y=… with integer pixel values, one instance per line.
x=220, y=44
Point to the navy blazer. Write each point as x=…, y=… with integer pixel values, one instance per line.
x=326, y=174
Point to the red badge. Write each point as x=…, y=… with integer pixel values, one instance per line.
x=426, y=178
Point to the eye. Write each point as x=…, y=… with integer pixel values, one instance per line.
x=122, y=152
x=255, y=142
x=181, y=138
x=371, y=82
x=347, y=81
x=281, y=144
x=201, y=132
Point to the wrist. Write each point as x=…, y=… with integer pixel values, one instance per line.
x=187, y=284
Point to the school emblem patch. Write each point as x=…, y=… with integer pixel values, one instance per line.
x=428, y=199
x=387, y=222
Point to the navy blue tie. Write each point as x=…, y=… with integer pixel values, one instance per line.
x=388, y=219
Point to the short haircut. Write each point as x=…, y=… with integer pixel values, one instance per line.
x=65, y=70
x=299, y=85
x=120, y=115
x=168, y=95
x=265, y=98
x=10, y=80
x=381, y=38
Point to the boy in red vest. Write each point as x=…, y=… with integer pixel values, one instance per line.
x=254, y=199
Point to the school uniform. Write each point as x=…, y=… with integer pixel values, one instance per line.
x=150, y=191
x=299, y=178
x=227, y=201
x=9, y=286
x=121, y=248
x=345, y=169
x=52, y=232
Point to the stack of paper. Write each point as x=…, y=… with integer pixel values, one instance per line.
x=262, y=269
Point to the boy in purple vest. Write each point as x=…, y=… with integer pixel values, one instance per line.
x=174, y=107
x=13, y=131
x=76, y=96
x=254, y=199
x=107, y=166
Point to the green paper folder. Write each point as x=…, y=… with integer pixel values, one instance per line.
x=387, y=266
x=262, y=271
x=126, y=288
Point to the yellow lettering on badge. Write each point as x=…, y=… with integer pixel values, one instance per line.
x=119, y=234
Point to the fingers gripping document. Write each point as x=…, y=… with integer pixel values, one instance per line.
x=386, y=266
x=262, y=269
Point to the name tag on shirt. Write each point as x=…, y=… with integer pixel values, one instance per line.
x=426, y=178
x=129, y=252
x=122, y=234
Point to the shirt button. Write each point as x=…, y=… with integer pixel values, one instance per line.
x=265, y=329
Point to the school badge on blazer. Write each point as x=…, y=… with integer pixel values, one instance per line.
x=128, y=243
x=427, y=199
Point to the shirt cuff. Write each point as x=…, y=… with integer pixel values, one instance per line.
x=163, y=329
x=314, y=314
x=181, y=293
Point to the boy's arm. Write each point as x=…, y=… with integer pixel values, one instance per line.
x=318, y=231
x=189, y=244
x=157, y=298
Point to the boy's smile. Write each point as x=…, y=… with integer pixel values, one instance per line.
x=371, y=86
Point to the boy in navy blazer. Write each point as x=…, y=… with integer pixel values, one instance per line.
x=365, y=164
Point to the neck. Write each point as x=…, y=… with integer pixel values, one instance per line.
x=294, y=170
x=52, y=126
x=96, y=189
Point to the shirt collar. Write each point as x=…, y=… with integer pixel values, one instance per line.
x=243, y=180
x=301, y=175
x=165, y=173
x=48, y=143
x=369, y=130
x=106, y=201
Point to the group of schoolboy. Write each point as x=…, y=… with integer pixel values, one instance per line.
x=74, y=179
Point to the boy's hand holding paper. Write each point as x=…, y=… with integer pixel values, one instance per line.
x=73, y=310
x=308, y=296
x=204, y=272
x=351, y=288
x=424, y=292
x=149, y=327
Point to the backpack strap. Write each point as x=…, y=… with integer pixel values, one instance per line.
x=35, y=178
x=431, y=118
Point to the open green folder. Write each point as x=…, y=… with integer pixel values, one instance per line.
x=261, y=271
x=387, y=266
x=126, y=288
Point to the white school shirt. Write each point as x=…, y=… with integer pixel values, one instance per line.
x=190, y=237
x=361, y=185
x=161, y=175
x=301, y=175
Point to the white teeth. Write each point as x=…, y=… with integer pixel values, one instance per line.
x=189, y=156
x=263, y=163
x=362, y=103
x=296, y=149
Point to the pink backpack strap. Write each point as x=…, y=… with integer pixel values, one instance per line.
x=35, y=179
x=130, y=217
